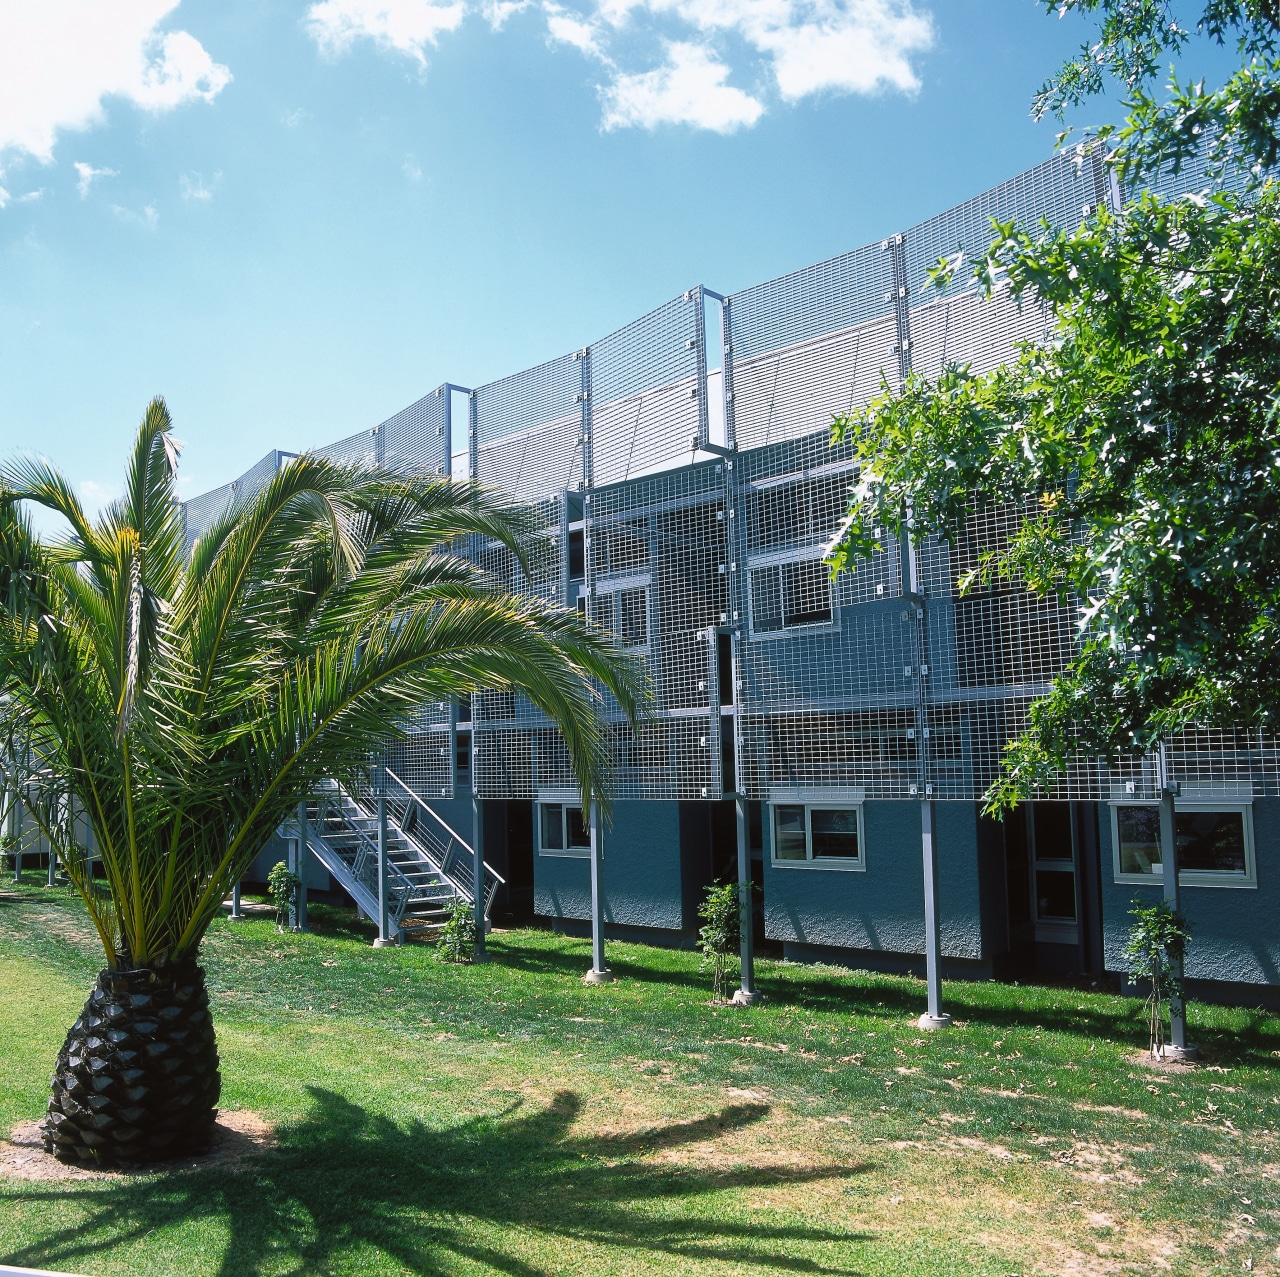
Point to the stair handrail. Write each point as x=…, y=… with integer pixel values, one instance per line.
x=401, y=888
x=453, y=833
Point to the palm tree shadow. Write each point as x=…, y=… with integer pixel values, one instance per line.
x=346, y=1180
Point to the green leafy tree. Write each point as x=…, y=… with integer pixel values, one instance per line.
x=187, y=698
x=721, y=913
x=1154, y=951
x=1142, y=442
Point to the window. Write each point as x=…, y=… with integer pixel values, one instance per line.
x=577, y=554
x=818, y=836
x=562, y=831
x=1215, y=843
x=1053, y=853
x=784, y=595
x=626, y=613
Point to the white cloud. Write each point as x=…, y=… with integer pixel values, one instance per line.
x=31, y=196
x=148, y=217
x=849, y=46
x=94, y=495
x=497, y=12
x=192, y=186
x=86, y=174
x=689, y=88
x=59, y=60
x=4, y=197
x=404, y=26
x=803, y=47
x=411, y=169
x=291, y=119
x=564, y=27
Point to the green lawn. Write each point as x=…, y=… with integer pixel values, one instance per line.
x=505, y=1119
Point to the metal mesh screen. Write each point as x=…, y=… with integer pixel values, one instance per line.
x=770, y=679
x=646, y=392
x=1059, y=191
x=529, y=430
x=203, y=511
x=414, y=440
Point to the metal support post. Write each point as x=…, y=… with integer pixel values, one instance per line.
x=53, y=867
x=291, y=860
x=384, y=931
x=935, y=1017
x=236, y=911
x=745, y=995
x=304, y=835
x=480, y=953
x=17, y=841
x=1178, y=1048
x=599, y=973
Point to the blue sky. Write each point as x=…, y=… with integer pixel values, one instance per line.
x=294, y=218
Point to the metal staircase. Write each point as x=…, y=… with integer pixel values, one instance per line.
x=429, y=865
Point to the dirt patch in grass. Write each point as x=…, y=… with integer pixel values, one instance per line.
x=237, y=1136
x=1114, y=1109
x=1162, y=1064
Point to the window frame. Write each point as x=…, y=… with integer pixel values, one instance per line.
x=615, y=588
x=1190, y=877
x=566, y=852
x=838, y=864
x=762, y=562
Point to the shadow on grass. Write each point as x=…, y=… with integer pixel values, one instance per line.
x=1050, y=1008
x=345, y=1181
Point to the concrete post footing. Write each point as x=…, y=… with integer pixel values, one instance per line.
x=593, y=976
x=928, y=1021
x=1187, y=1053
x=741, y=998
x=380, y=943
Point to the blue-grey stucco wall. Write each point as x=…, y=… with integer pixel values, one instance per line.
x=1235, y=936
x=882, y=908
x=641, y=871
x=277, y=849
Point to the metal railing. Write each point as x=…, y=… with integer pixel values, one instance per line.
x=453, y=857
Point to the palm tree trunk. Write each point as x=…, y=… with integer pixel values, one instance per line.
x=137, y=1078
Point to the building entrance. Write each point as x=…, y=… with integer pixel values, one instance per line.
x=1041, y=866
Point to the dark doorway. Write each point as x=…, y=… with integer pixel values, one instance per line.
x=519, y=903
x=1042, y=890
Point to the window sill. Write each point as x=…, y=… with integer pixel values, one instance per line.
x=824, y=862
x=1190, y=878
x=582, y=853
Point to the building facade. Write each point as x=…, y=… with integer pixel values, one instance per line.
x=684, y=472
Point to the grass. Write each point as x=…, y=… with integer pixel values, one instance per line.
x=505, y=1119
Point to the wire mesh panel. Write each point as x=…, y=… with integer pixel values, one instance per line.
x=529, y=430
x=414, y=440
x=826, y=689
x=516, y=752
x=658, y=579
x=810, y=345
x=203, y=511
x=1060, y=191
x=423, y=760
x=363, y=448
x=646, y=388
x=973, y=329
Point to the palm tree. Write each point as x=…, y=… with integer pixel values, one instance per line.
x=184, y=699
